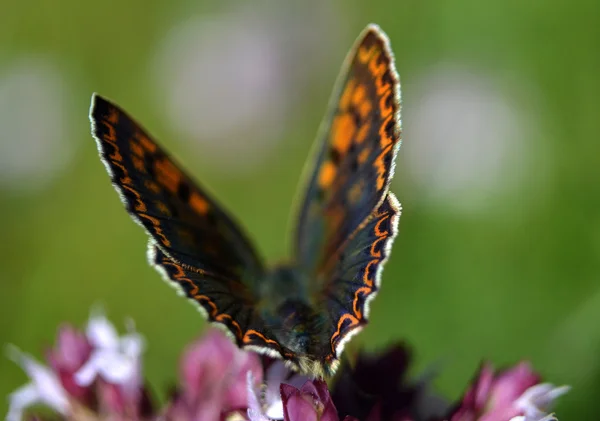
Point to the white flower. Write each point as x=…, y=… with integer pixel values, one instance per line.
x=44, y=388
x=116, y=360
x=536, y=401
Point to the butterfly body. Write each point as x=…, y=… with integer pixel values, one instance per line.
x=294, y=315
x=303, y=312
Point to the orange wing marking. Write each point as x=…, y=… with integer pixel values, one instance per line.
x=140, y=206
x=221, y=318
x=198, y=203
x=203, y=300
x=162, y=208
x=138, y=163
x=369, y=282
x=343, y=131
x=384, y=138
x=167, y=174
x=353, y=322
x=377, y=69
x=145, y=142
x=113, y=116
x=157, y=229
x=327, y=174
x=152, y=186
x=346, y=97
x=110, y=137
x=136, y=148
x=381, y=168
x=365, y=54
x=362, y=291
x=248, y=339
x=384, y=108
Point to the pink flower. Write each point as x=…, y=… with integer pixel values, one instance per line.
x=98, y=375
x=310, y=403
x=507, y=395
x=95, y=372
x=68, y=355
x=214, y=373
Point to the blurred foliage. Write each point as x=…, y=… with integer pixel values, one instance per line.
x=518, y=281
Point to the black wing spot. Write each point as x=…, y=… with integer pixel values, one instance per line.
x=386, y=78
x=320, y=195
x=388, y=101
x=183, y=191
x=335, y=156
x=211, y=218
x=388, y=159
x=356, y=117
x=389, y=128
x=354, y=164
x=352, y=148
x=149, y=164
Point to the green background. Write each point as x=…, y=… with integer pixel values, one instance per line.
x=516, y=278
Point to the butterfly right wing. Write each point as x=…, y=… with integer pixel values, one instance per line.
x=189, y=226
x=194, y=243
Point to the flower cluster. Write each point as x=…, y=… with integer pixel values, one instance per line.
x=97, y=375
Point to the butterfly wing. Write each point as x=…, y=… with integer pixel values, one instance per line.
x=219, y=302
x=356, y=278
x=348, y=218
x=357, y=145
x=189, y=231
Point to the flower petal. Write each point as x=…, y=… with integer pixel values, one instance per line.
x=511, y=383
x=512, y=394
x=100, y=332
x=214, y=374
x=20, y=399
x=112, y=366
x=45, y=386
x=295, y=406
x=71, y=350
x=277, y=373
x=536, y=401
x=311, y=402
x=255, y=412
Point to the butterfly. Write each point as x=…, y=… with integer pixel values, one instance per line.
x=305, y=311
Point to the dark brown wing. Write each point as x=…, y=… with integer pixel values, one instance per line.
x=194, y=244
x=357, y=146
x=189, y=226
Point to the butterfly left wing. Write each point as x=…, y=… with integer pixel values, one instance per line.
x=193, y=241
x=357, y=145
x=356, y=278
x=349, y=218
